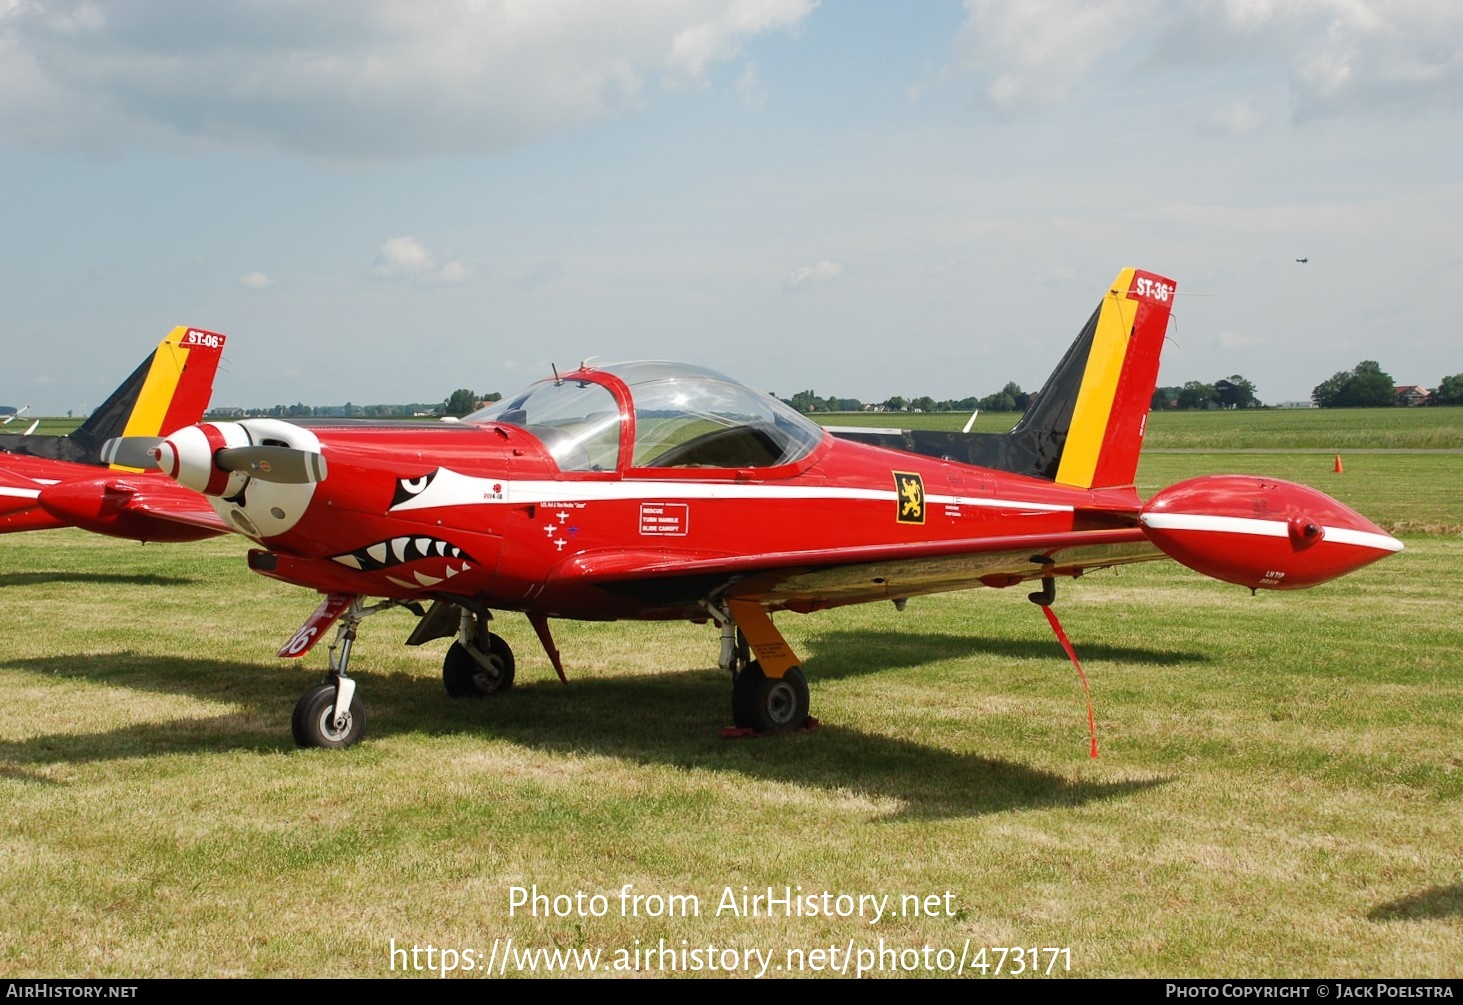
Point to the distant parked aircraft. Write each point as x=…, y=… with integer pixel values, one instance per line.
x=66, y=481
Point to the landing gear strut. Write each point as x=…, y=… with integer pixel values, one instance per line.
x=479, y=663
x=769, y=693
x=330, y=714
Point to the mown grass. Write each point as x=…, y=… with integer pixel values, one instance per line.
x=1278, y=791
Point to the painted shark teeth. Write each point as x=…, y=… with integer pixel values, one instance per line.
x=400, y=551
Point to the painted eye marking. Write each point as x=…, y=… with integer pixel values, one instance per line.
x=406, y=488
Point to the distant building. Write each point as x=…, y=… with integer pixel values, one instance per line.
x=1413, y=394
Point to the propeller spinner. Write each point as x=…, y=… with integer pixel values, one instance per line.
x=203, y=458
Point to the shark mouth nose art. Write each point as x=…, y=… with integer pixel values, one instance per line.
x=443, y=560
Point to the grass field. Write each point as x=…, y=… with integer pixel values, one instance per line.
x=1279, y=791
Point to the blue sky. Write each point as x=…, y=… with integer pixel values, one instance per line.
x=381, y=202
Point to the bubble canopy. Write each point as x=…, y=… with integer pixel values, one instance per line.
x=679, y=416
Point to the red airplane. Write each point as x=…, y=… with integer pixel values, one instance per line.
x=68, y=481
x=663, y=491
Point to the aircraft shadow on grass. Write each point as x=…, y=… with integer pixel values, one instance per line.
x=661, y=719
x=1434, y=902
x=17, y=579
x=879, y=650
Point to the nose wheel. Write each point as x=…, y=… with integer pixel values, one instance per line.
x=316, y=723
x=331, y=714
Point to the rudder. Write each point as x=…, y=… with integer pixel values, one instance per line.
x=1103, y=388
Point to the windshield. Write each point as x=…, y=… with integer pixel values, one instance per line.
x=578, y=422
x=685, y=417
x=692, y=417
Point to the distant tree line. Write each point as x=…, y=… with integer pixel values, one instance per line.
x=458, y=403
x=1365, y=385
x=1233, y=391
x=300, y=410
x=1008, y=399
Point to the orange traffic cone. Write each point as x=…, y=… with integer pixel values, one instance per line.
x=1338, y=464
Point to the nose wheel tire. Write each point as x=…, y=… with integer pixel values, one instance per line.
x=769, y=705
x=464, y=677
x=314, y=723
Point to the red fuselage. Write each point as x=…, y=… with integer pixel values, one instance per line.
x=540, y=539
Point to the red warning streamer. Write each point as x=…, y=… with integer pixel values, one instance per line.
x=1051, y=617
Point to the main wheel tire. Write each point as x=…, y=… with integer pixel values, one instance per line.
x=465, y=677
x=770, y=705
x=313, y=723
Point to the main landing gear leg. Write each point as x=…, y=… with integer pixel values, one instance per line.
x=769, y=693
x=331, y=714
x=479, y=663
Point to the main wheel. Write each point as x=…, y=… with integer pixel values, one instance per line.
x=465, y=677
x=314, y=723
x=767, y=705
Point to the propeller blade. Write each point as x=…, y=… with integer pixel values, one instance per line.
x=131, y=451
x=285, y=465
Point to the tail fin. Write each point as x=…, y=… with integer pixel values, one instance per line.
x=168, y=391
x=1094, y=407
x=1085, y=427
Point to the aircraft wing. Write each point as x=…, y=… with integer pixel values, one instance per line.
x=834, y=577
x=17, y=492
x=126, y=505
x=167, y=502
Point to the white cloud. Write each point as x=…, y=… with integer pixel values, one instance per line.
x=405, y=259
x=749, y=88
x=807, y=275
x=538, y=275
x=401, y=258
x=1034, y=52
x=718, y=31
x=1336, y=54
x=453, y=272
x=255, y=281
x=354, y=78
x=941, y=268
x=1235, y=119
x=1239, y=340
